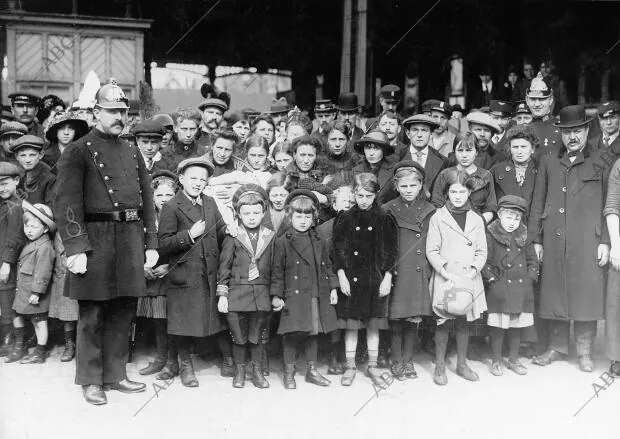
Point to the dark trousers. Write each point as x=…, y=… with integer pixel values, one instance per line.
x=559, y=336
x=103, y=340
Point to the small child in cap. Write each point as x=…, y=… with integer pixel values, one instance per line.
x=35, y=266
x=244, y=281
x=12, y=241
x=510, y=272
x=9, y=133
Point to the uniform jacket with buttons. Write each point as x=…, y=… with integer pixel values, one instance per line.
x=365, y=247
x=103, y=173
x=191, y=298
x=566, y=217
x=12, y=238
x=505, y=180
x=34, y=275
x=293, y=278
x=233, y=274
x=511, y=270
x=549, y=136
x=410, y=296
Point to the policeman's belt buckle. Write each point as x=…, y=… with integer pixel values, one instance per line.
x=131, y=215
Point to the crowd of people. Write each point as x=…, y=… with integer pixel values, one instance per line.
x=266, y=231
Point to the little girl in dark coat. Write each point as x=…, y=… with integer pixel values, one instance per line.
x=303, y=286
x=410, y=299
x=510, y=272
x=244, y=278
x=365, y=241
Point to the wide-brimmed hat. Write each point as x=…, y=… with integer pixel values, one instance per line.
x=421, y=119
x=374, y=137
x=42, y=212
x=573, y=116
x=347, y=102
x=279, y=106
x=484, y=119
x=59, y=119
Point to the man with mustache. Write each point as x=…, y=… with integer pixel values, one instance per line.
x=348, y=111
x=212, y=110
x=24, y=107
x=443, y=140
x=540, y=100
x=324, y=114
x=568, y=230
x=483, y=127
x=106, y=218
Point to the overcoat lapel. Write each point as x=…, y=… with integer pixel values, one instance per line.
x=187, y=208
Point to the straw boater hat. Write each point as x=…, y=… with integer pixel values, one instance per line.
x=42, y=212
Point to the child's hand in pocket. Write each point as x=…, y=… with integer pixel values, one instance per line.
x=333, y=297
x=222, y=304
x=277, y=304
x=33, y=299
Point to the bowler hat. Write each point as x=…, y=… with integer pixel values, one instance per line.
x=213, y=102
x=513, y=202
x=420, y=119
x=27, y=141
x=457, y=107
x=502, y=108
x=279, y=106
x=374, y=137
x=480, y=118
x=150, y=128
x=302, y=193
x=195, y=161
x=608, y=108
x=42, y=212
x=347, y=102
x=390, y=93
x=407, y=164
x=324, y=106
x=573, y=116
x=65, y=117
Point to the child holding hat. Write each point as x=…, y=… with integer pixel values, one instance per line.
x=34, y=274
x=244, y=280
x=510, y=272
x=12, y=241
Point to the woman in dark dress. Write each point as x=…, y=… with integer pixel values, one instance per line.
x=375, y=148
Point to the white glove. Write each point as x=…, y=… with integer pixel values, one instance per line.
x=77, y=263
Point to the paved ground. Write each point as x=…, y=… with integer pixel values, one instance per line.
x=41, y=401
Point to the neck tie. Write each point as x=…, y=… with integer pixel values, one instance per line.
x=572, y=154
x=419, y=155
x=606, y=141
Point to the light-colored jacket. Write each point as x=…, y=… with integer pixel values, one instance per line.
x=448, y=243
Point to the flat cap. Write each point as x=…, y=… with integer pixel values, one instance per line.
x=195, y=161
x=164, y=119
x=10, y=169
x=420, y=118
x=27, y=141
x=13, y=127
x=513, y=202
x=407, y=164
x=149, y=127
x=213, y=102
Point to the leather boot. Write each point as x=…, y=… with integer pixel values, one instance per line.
x=289, y=377
x=19, y=348
x=314, y=377
x=265, y=361
x=186, y=372
x=258, y=377
x=7, y=340
x=37, y=356
x=239, y=378
x=161, y=343
x=170, y=370
x=69, y=352
x=335, y=368
x=228, y=367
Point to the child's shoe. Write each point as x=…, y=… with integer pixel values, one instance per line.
x=410, y=372
x=19, y=349
x=465, y=371
x=314, y=377
x=377, y=377
x=239, y=378
x=517, y=367
x=258, y=376
x=439, y=377
x=228, y=367
x=186, y=372
x=398, y=370
x=497, y=369
x=348, y=376
x=289, y=377
x=170, y=370
x=37, y=356
x=335, y=368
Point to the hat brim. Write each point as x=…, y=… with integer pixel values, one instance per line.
x=6, y=133
x=278, y=111
x=348, y=108
x=324, y=110
x=575, y=124
x=491, y=127
x=40, y=215
x=359, y=145
x=81, y=128
x=207, y=165
x=432, y=125
x=442, y=110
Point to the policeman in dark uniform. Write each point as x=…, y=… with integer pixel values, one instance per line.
x=522, y=114
x=539, y=97
x=24, y=107
x=106, y=218
x=390, y=97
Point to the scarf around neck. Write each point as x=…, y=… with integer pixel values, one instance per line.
x=457, y=210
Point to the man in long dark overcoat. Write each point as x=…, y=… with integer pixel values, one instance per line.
x=106, y=217
x=569, y=234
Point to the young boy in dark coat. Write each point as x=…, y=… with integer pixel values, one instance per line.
x=510, y=272
x=38, y=184
x=12, y=240
x=244, y=279
x=189, y=231
x=303, y=286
